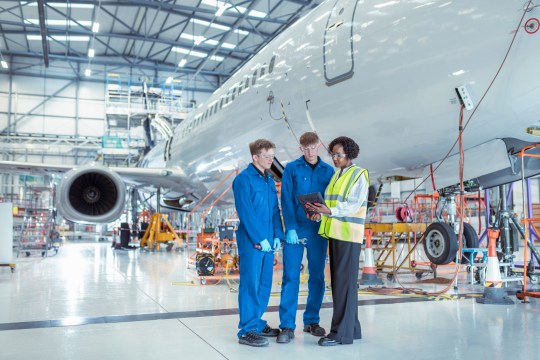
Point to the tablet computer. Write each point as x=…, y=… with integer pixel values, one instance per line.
x=310, y=198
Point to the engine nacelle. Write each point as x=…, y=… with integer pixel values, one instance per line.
x=92, y=194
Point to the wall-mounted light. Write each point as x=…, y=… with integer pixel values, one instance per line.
x=87, y=72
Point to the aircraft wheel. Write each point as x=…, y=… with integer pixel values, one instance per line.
x=535, y=280
x=390, y=277
x=440, y=243
x=419, y=275
x=203, y=281
x=470, y=235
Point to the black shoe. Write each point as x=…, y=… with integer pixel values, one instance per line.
x=269, y=332
x=253, y=339
x=315, y=330
x=326, y=341
x=285, y=336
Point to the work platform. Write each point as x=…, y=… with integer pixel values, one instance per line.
x=385, y=239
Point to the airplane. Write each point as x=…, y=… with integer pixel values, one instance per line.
x=392, y=75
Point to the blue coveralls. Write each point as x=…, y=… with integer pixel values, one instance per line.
x=298, y=179
x=256, y=202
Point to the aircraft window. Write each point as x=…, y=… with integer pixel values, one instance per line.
x=271, y=66
x=262, y=72
x=246, y=85
x=233, y=93
x=254, y=78
x=221, y=102
x=215, y=108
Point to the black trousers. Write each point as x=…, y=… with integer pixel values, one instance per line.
x=344, y=263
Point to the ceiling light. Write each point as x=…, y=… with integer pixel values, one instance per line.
x=87, y=72
x=258, y=14
x=217, y=58
x=169, y=80
x=222, y=9
x=218, y=26
x=228, y=45
x=207, y=23
x=61, y=5
x=241, y=32
x=224, y=6
x=91, y=53
x=4, y=64
x=196, y=39
x=60, y=37
x=189, y=52
x=95, y=27
x=62, y=22
x=182, y=63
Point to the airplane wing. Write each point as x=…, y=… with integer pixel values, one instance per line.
x=168, y=178
x=33, y=168
x=96, y=194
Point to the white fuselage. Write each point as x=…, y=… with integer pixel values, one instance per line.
x=383, y=74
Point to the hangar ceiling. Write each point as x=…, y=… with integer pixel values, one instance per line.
x=199, y=42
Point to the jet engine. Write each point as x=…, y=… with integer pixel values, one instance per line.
x=92, y=194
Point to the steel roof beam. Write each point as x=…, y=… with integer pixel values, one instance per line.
x=159, y=66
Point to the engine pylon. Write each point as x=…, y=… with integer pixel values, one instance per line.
x=369, y=273
x=494, y=293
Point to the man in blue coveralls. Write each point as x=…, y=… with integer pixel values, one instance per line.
x=258, y=236
x=305, y=175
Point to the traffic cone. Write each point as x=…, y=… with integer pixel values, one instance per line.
x=369, y=273
x=494, y=293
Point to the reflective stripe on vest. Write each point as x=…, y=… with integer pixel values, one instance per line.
x=347, y=228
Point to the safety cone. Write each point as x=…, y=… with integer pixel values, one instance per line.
x=369, y=273
x=494, y=293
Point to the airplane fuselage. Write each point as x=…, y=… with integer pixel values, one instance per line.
x=382, y=74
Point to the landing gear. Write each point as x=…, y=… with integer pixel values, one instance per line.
x=440, y=243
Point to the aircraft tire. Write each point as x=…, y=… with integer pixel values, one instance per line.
x=470, y=235
x=470, y=240
x=440, y=243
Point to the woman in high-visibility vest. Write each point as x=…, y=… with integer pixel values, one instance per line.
x=342, y=220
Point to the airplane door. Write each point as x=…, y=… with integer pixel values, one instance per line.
x=338, y=43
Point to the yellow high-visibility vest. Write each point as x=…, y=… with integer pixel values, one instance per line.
x=347, y=228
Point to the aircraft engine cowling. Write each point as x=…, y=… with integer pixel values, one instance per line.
x=91, y=194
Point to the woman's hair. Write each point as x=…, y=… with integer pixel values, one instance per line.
x=258, y=145
x=350, y=147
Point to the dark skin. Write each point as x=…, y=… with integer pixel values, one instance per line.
x=340, y=163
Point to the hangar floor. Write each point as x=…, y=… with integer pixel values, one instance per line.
x=93, y=302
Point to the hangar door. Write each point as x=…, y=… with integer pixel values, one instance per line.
x=338, y=43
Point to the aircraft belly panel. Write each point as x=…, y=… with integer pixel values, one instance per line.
x=486, y=158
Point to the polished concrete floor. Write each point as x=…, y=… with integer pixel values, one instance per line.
x=92, y=302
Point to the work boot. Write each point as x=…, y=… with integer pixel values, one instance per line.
x=253, y=339
x=328, y=341
x=269, y=332
x=285, y=336
x=315, y=330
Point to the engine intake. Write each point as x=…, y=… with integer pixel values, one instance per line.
x=92, y=194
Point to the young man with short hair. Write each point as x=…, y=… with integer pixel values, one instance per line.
x=258, y=236
x=305, y=175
